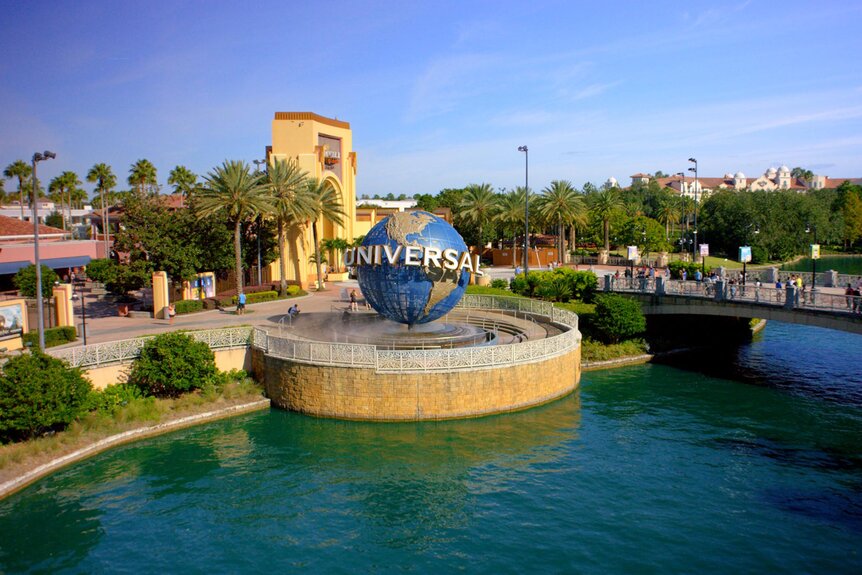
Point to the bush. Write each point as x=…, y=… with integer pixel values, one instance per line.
x=39, y=393
x=53, y=336
x=499, y=284
x=561, y=284
x=257, y=297
x=188, y=306
x=171, y=364
x=293, y=290
x=25, y=281
x=617, y=318
x=101, y=270
x=114, y=397
x=487, y=290
x=690, y=268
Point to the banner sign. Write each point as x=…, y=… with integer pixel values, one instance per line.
x=632, y=253
x=744, y=254
x=704, y=250
x=815, y=252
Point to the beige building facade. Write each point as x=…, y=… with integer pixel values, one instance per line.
x=323, y=148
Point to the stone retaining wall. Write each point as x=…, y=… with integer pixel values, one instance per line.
x=362, y=393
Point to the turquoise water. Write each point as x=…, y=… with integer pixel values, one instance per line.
x=851, y=265
x=649, y=469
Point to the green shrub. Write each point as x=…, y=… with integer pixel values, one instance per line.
x=293, y=290
x=25, y=281
x=53, y=336
x=499, y=284
x=487, y=290
x=39, y=393
x=561, y=284
x=676, y=268
x=257, y=297
x=101, y=270
x=518, y=285
x=188, y=306
x=114, y=397
x=171, y=364
x=617, y=318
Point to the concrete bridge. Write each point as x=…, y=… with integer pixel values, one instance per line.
x=820, y=308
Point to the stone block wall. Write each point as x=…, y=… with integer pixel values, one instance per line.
x=353, y=393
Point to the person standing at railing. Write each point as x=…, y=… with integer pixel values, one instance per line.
x=850, y=293
x=757, y=285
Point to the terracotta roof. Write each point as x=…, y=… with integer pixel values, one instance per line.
x=15, y=227
x=835, y=182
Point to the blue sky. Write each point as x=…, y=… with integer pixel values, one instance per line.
x=439, y=94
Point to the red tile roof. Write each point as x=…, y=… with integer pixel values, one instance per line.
x=15, y=227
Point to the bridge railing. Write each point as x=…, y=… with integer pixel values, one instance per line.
x=789, y=297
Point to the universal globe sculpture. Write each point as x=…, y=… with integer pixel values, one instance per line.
x=413, y=267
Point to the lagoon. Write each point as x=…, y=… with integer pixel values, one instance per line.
x=755, y=467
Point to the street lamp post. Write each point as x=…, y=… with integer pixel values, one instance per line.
x=696, y=184
x=257, y=164
x=38, y=157
x=526, y=209
x=80, y=286
x=809, y=228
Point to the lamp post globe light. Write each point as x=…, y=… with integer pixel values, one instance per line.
x=811, y=228
x=526, y=209
x=38, y=157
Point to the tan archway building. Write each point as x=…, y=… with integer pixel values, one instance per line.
x=323, y=148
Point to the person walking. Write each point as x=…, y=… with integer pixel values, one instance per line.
x=240, y=304
x=172, y=311
x=353, y=303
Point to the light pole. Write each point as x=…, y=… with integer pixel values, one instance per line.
x=38, y=157
x=526, y=209
x=80, y=286
x=257, y=164
x=694, y=248
x=809, y=228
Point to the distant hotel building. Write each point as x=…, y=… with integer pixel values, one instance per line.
x=771, y=180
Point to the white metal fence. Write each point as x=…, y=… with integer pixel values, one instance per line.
x=428, y=360
x=123, y=350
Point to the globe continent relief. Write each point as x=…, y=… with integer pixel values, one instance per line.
x=412, y=294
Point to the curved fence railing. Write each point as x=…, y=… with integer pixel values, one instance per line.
x=118, y=351
x=426, y=360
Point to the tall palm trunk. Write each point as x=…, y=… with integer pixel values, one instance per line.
x=282, y=261
x=515, y=250
x=237, y=249
x=607, y=223
x=317, y=254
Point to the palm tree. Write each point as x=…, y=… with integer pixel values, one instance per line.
x=64, y=185
x=479, y=207
x=285, y=181
x=604, y=205
x=21, y=170
x=324, y=202
x=558, y=204
x=142, y=175
x=667, y=214
x=183, y=180
x=234, y=191
x=105, y=181
x=510, y=214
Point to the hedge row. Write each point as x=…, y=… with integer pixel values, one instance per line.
x=561, y=284
x=261, y=296
x=53, y=336
x=188, y=306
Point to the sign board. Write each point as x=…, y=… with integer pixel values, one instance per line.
x=815, y=252
x=632, y=253
x=704, y=250
x=745, y=254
